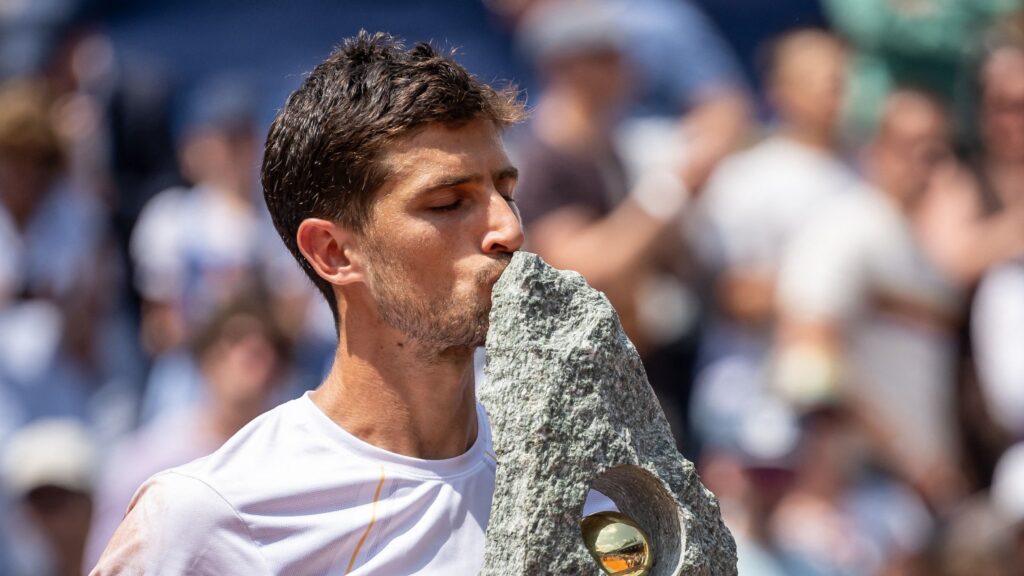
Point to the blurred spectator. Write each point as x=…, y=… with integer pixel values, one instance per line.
x=973, y=219
x=867, y=319
x=974, y=222
x=195, y=248
x=748, y=460
x=681, y=68
x=757, y=199
x=36, y=203
x=581, y=206
x=48, y=469
x=242, y=356
x=1001, y=123
x=54, y=264
x=838, y=520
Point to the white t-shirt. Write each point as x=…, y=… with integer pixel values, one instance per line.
x=194, y=246
x=294, y=493
x=757, y=199
x=859, y=265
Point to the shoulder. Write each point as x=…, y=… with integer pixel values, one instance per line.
x=178, y=523
x=261, y=443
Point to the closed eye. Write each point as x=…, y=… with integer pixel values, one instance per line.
x=454, y=205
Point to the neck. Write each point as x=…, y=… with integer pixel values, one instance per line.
x=1007, y=177
x=399, y=395
x=812, y=138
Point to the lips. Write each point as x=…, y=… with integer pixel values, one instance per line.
x=490, y=275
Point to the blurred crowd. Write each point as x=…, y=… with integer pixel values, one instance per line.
x=812, y=229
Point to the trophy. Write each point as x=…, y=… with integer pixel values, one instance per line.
x=571, y=411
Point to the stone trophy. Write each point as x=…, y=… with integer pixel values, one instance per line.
x=570, y=410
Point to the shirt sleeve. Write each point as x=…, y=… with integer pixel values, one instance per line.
x=177, y=524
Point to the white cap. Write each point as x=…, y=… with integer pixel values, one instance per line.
x=49, y=452
x=571, y=28
x=1008, y=484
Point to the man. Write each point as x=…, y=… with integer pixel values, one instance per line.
x=866, y=317
x=756, y=199
x=386, y=178
x=588, y=204
x=752, y=207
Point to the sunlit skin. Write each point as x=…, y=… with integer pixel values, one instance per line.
x=413, y=289
x=807, y=87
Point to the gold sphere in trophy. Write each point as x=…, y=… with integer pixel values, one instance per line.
x=618, y=544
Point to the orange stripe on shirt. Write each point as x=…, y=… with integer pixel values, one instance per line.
x=373, y=518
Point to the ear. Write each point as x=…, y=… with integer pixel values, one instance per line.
x=332, y=250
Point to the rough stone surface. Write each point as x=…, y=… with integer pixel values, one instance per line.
x=571, y=409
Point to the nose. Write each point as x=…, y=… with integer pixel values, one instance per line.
x=504, y=227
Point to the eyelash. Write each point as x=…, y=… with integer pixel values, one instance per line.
x=448, y=207
x=458, y=204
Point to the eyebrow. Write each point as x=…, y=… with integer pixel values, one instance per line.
x=453, y=181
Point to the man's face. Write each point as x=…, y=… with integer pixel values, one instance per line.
x=441, y=231
x=810, y=83
x=913, y=142
x=1002, y=119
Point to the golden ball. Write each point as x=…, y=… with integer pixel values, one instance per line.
x=618, y=544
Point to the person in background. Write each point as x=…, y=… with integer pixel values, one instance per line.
x=758, y=199
x=581, y=206
x=196, y=248
x=54, y=273
x=974, y=217
x=241, y=354
x=867, y=319
x=837, y=517
x=48, y=468
x=1001, y=122
x=972, y=220
x=192, y=247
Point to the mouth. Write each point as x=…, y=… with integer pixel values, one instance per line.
x=492, y=273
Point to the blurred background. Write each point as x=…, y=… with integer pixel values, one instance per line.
x=809, y=215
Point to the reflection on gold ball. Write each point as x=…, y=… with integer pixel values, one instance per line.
x=618, y=544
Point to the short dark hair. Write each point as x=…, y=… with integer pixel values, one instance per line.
x=322, y=157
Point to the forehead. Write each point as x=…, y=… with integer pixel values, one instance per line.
x=1004, y=69
x=474, y=147
x=809, y=51
x=913, y=118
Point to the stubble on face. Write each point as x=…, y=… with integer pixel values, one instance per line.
x=440, y=323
